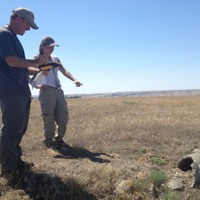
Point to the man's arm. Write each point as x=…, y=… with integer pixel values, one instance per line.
x=15, y=61
x=33, y=70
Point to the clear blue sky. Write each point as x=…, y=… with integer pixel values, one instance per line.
x=118, y=45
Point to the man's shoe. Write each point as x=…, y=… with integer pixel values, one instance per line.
x=12, y=176
x=52, y=145
x=24, y=166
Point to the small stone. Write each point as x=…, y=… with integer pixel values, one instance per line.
x=127, y=186
x=176, y=184
x=135, y=168
x=196, y=150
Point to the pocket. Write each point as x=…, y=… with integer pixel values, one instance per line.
x=43, y=91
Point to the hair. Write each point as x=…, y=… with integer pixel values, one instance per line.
x=41, y=49
x=13, y=16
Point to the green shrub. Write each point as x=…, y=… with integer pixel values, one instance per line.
x=157, y=177
x=142, y=150
x=170, y=195
x=157, y=160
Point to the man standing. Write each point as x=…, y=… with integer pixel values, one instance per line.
x=15, y=95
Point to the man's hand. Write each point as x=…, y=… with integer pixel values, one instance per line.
x=42, y=59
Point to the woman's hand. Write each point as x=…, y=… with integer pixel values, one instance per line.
x=78, y=84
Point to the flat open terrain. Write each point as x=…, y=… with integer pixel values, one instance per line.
x=113, y=140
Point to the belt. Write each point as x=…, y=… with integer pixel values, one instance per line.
x=49, y=86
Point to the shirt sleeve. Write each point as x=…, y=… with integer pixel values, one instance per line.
x=7, y=44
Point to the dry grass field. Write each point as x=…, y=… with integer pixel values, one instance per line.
x=121, y=146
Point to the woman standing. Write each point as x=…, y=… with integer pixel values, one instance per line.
x=52, y=100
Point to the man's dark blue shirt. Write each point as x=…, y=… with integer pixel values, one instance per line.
x=13, y=80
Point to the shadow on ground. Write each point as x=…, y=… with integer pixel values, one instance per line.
x=41, y=186
x=76, y=153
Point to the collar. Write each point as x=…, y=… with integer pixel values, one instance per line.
x=10, y=29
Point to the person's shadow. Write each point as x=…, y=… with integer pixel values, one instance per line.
x=77, y=152
x=42, y=186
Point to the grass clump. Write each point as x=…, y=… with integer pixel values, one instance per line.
x=158, y=177
x=158, y=161
x=170, y=195
x=142, y=150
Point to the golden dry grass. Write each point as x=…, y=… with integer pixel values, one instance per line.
x=113, y=140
